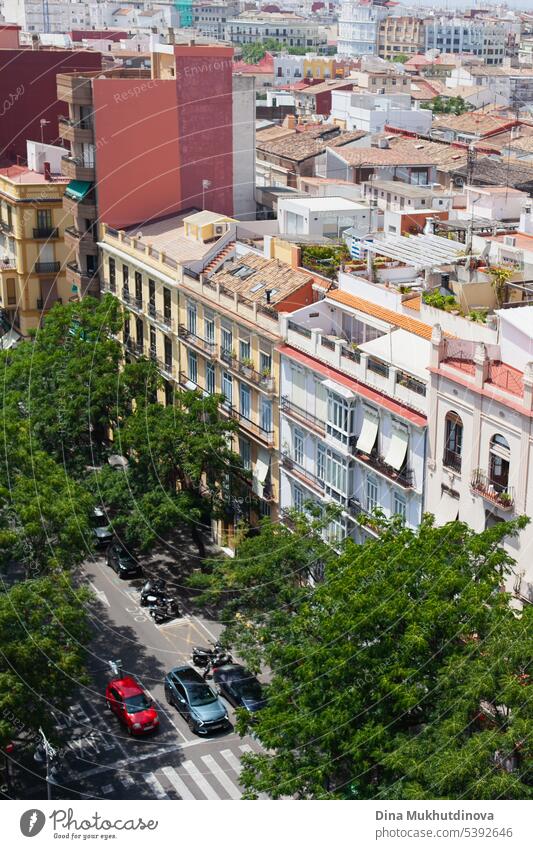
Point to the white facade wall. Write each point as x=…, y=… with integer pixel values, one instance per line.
x=244, y=147
x=288, y=69
x=358, y=28
x=296, y=219
x=371, y=114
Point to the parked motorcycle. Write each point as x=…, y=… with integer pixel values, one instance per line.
x=152, y=591
x=164, y=610
x=210, y=657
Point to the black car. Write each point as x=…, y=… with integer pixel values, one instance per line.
x=239, y=687
x=122, y=562
x=195, y=700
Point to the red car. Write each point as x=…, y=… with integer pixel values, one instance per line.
x=127, y=699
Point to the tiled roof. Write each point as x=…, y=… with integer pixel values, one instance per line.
x=406, y=154
x=319, y=88
x=277, y=276
x=302, y=146
x=476, y=123
x=413, y=325
x=511, y=172
x=413, y=303
x=272, y=133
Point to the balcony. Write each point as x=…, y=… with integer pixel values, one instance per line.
x=74, y=89
x=49, y=303
x=47, y=267
x=6, y=227
x=496, y=492
x=75, y=169
x=133, y=303
x=301, y=473
x=164, y=322
x=135, y=348
x=82, y=241
x=302, y=416
x=45, y=233
x=247, y=371
x=403, y=477
x=75, y=131
x=108, y=286
x=246, y=424
x=85, y=209
x=84, y=280
x=166, y=367
x=452, y=460
x=204, y=345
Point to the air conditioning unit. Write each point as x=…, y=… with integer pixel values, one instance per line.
x=510, y=241
x=219, y=229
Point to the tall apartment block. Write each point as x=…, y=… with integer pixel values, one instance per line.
x=149, y=145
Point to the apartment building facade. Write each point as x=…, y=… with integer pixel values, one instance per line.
x=480, y=448
x=290, y=30
x=211, y=18
x=33, y=251
x=457, y=35
x=399, y=35
x=210, y=322
x=353, y=411
x=359, y=24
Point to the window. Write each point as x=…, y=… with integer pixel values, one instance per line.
x=298, y=446
x=168, y=352
x=265, y=362
x=244, y=349
x=245, y=453
x=210, y=378
x=340, y=418
x=138, y=286
x=399, y=506
x=44, y=219
x=125, y=277
x=371, y=494
x=453, y=441
x=167, y=304
x=298, y=498
x=499, y=456
x=191, y=317
x=227, y=340
x=153, y=343
x=266, y=415
x=321, y=461
x=336, y=472
x=245, y=401
x=227, y=387
x=151, y=296
x=139, y=330
x=192, y=366
x=112, y=274
x=336, y=531
x=209, y=327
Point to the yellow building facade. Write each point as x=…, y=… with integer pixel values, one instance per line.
x=33, y=252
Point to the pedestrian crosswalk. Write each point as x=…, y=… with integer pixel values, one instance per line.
x=211, y=776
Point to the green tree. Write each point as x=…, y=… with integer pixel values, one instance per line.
x=402, y=675
x=401, y=57
x=42, y=633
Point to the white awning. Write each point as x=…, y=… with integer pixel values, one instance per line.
x=343, y=391
x=369, y=432
x=189, y=384
x=262, y=466
x=447, y=511
x=397, y=449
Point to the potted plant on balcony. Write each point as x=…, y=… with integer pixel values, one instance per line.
x=247, y=366
x=505, y=499
x=265, y=375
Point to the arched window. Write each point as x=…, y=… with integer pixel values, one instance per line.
x=453, y=444
x=499, y=457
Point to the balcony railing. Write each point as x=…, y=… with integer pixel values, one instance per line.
x=292, y=409
x=204, y=345
x=452, y=459
x=49, y=303
x=265, y=381
x=47, y=267
x=495, y=491
x=45, y=233
x=411, y=383
x=247, y=424
x=159, y=318
x=135, y=304
x=377, y=367
x=135, y=348
x=403, y=476
x=298, y=328
x=290, y=463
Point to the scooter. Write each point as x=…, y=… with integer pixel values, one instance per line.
x=164, y=609
x=204, y=657
x=152, y=591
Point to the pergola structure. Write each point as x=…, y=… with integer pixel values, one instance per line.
x=421, y=251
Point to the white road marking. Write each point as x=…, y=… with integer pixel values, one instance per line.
x=170, y=773
x=200, y=780
x=233, y=761
x=100, y=594
x=246, y=748
x=222, y=777
x=206, y=629
x=155, y=786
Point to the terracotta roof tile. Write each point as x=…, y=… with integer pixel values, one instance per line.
x=413, y=303
x=413, y=325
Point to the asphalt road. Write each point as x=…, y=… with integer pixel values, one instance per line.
x=99, y=759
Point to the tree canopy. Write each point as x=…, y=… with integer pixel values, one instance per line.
x=403, y=674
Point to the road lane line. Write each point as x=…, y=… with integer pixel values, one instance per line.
x=222, y=777
x=200, y=780
x=155, y=786
x=171, y=775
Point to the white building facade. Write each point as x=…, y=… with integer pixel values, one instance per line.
x=372, y=113
x=359, y=28
x=457, y=35
x=352, y=423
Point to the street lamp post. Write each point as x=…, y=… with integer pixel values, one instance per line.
x=49, y=753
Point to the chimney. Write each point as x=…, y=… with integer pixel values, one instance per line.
x=47, y=172
x=35, y=42
x=171, y=35
x=268, y=293
x=526, y=219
